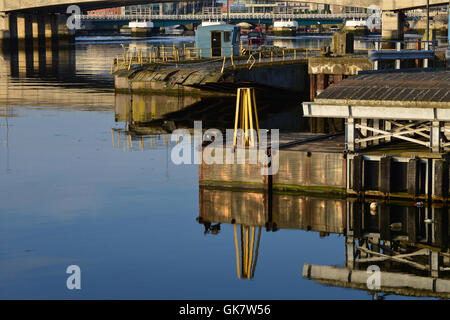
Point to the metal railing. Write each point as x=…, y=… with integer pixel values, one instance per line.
x=224, y=16
x=137, y=57
x=237, y=16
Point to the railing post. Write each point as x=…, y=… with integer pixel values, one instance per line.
x=425, y=61
x=398, y=61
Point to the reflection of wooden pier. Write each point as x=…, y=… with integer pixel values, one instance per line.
x=410, y=244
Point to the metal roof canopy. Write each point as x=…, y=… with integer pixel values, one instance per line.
x=398, y=104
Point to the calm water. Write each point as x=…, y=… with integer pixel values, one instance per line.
x=72, y=195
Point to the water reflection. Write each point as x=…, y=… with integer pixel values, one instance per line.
x=408, y=243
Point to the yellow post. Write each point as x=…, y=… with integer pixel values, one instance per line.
x=295, y=54
x=112, y=136
x=260, y=57
x=256, y=113
x=246, y=108
x=238, y=101
x=249, y=111
x=283, y=54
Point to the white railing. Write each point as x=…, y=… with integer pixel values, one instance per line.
x=224, y=16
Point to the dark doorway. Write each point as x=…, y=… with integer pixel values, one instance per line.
x=216, y=43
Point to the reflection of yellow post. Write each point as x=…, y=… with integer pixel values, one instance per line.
x=251, y=253
x=248, y=252
x=237, y=250
x=112, y=136
x=245, y=107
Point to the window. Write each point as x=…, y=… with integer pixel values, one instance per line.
x=227, y=36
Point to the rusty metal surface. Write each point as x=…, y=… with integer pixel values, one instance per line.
x=426, y=87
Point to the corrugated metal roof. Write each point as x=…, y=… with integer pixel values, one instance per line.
x=407, y=88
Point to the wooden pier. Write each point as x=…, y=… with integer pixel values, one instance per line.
x=382, y=109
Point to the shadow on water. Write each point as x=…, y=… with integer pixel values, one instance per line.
x=160, y=114
x=407, y=242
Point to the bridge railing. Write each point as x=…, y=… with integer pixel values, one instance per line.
x=237, y=16
x=224, y=16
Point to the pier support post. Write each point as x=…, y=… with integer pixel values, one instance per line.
x=440, y=180
x=413, y=177
x=386, y=175
x=357, y=173
x=350, y=134
x=435, y=136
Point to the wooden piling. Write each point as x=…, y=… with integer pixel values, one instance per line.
x=357, y=173
x=413, y=177
x=386, y=175
x=441, y=173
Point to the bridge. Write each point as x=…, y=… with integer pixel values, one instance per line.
x=174, y=19
x=29, y=19
x=59, y=6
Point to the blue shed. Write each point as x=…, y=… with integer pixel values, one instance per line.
x=218, y=40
